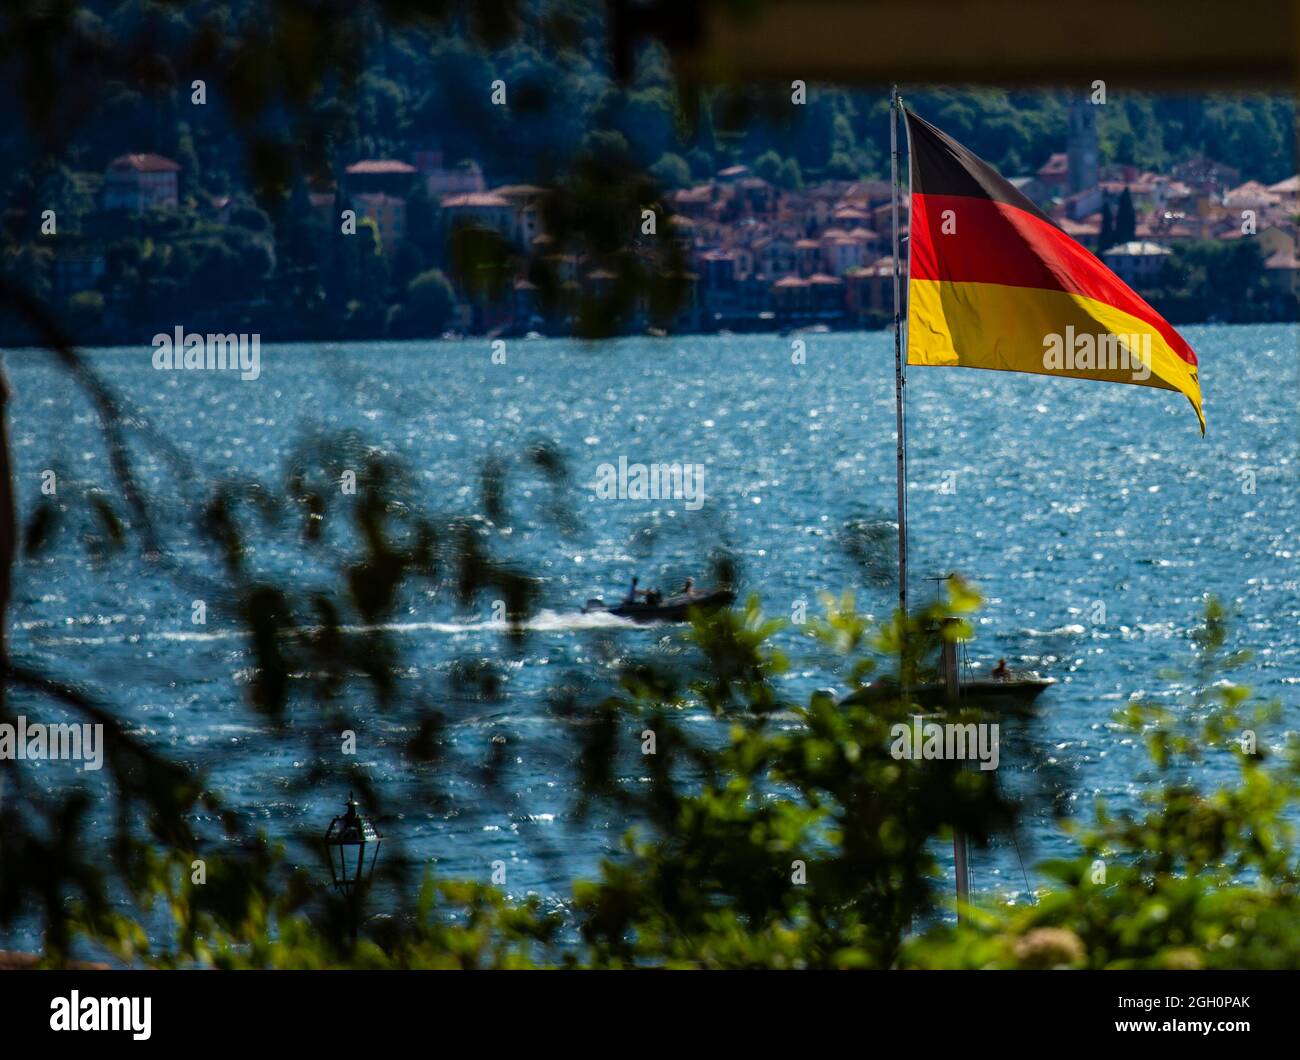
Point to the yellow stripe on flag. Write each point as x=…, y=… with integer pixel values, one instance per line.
x=1027, y=329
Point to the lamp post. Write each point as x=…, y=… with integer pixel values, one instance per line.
x=347, y=840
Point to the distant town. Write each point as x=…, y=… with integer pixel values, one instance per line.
x=756, y=254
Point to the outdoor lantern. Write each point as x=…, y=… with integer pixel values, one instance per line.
x=347, y=841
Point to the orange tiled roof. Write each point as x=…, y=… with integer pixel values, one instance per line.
x=474, y=198
x=145, y=163
x=380, y=165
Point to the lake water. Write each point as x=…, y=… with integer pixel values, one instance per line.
x=1093, y=516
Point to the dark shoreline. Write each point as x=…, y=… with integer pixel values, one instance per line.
x=15, y=341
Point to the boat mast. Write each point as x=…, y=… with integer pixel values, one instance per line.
x=960, y=843
x=895, y=104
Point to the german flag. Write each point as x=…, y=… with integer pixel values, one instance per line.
x=992, y=283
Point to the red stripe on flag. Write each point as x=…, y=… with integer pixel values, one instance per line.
x=993, y=242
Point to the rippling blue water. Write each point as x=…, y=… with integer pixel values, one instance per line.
x=1058, y=498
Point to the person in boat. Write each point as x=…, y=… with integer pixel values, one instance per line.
x=689, y=590
x=653, y=597
x=1000, y=672
x=633, y=592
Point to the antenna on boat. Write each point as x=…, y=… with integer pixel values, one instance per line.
x=938, y=580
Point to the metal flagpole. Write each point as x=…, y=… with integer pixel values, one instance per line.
x=960, y=846
x=894, y=106
x=898, y=388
